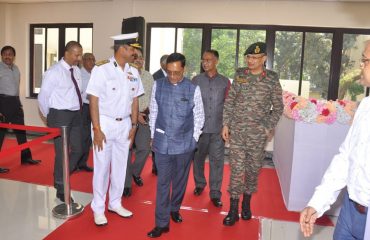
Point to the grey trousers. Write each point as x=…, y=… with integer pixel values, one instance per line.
x=71, y=119
x=210, y=144
x=142, y=150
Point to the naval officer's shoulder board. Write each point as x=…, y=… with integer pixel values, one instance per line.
x=102, y=62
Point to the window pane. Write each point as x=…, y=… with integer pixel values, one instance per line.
x=287, y=61
x=71, y=35
x=224, y=41
x=52, y=54
x=316, y=64
x=86, y=39
x=248, y=37
x=162, y=42
x=38, y=58
x=189, y=43
x=350, y=71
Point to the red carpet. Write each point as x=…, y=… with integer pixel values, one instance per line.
x=266, y=203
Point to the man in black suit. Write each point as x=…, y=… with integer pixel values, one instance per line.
x=161, y=73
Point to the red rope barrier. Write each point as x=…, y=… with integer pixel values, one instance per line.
x=52, y=133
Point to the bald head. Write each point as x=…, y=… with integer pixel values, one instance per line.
x=88, y=61
x=73, y=53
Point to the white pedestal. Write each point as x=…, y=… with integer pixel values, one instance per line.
x=302, y=153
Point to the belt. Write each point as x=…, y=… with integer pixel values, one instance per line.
x=118, y=119
x=361, y=209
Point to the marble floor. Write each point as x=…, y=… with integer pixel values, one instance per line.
x=26, y=213
x=26, y=210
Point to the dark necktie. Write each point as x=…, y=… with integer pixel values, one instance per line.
x=77, y=89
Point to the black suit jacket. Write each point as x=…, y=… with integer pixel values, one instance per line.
x=158, y=74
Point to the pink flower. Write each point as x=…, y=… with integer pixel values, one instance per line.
x=325, y=112
x=318, y=110
x=293, y=104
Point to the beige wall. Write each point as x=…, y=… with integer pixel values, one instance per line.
x=107, y=16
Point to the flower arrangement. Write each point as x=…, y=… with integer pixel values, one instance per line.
x=318, y=110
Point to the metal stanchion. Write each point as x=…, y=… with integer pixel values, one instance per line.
x=67, y=209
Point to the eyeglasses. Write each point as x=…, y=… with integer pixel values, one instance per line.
x=364, y=61
x=175, y=73
x=252, y=57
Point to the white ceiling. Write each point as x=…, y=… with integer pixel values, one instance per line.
x=50, y=1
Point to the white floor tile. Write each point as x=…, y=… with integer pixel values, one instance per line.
x=26, y=209
x=283, y=230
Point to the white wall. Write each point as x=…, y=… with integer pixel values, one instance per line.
x=107, y=17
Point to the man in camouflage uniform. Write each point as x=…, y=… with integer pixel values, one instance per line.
x=252, y=110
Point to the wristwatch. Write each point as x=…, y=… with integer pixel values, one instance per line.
x=135, y=125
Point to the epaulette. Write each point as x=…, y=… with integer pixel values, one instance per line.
x=133, y=65
x=102, y=62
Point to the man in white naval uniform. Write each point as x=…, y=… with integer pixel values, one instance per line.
x=113, y=91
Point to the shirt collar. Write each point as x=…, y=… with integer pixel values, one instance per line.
x=65, y=64
x=211, y=77
x=164, y=72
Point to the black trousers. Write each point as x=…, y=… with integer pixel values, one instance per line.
x=12, y=111
x=86, y=135
x=73, y=120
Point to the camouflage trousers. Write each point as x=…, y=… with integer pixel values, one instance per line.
x=246, y=158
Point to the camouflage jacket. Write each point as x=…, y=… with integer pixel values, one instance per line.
x=253, y=100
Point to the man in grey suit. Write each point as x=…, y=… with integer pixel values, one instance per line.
x=213, y=87
x=142, y=137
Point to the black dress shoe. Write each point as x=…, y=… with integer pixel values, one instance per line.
x=85, y=168
x=217, y=202
x=126, y=192
x=198, y=191
x=60, y=196
x=30, y=161
x=157, y=232
x=4, y=170
x=138, y=180
x=176, y=217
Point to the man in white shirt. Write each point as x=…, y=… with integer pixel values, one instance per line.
x=60, y=102
x=88, y=63
x=349, y=168
x=113, y=89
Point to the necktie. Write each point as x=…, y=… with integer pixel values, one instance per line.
x=77, y=89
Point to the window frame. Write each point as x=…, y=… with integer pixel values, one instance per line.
x=61, y=29
x=336, y=51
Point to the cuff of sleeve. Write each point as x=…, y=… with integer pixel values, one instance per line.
x=196, y=136
x=320, y=210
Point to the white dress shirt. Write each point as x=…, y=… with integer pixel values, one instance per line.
x=57, y=88
x=350, y=167
x=85, y=76
x=115, y=87
x=198, y=112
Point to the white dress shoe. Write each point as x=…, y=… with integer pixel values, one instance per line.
x=100, y=219
x=123, y=212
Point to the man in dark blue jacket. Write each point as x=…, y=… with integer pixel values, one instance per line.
x=176, y=120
